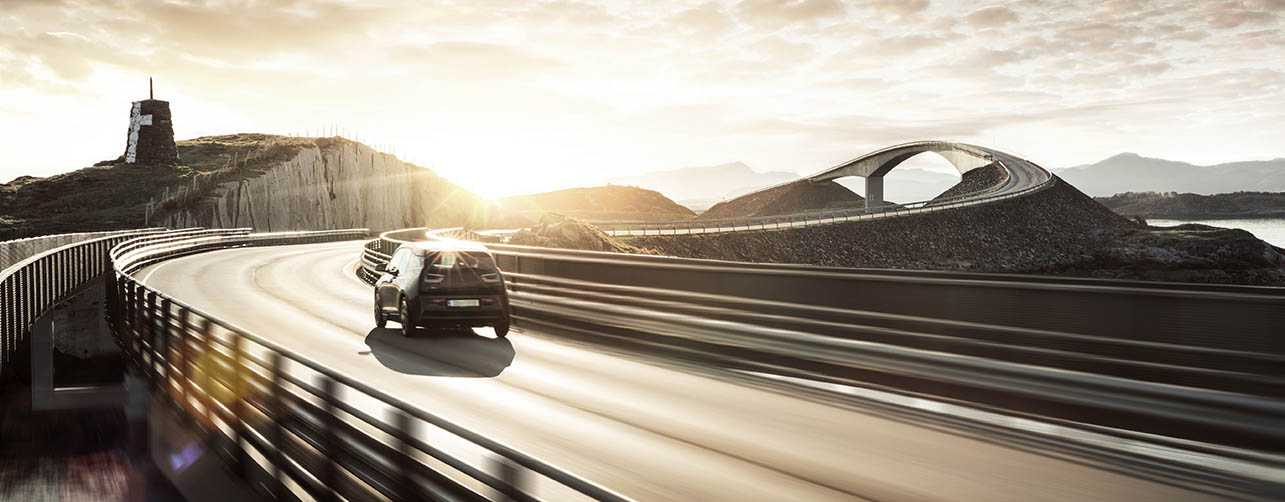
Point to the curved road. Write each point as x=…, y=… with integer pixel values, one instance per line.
x=647, y=429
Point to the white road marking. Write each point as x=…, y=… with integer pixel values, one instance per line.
x=154, y=269
x=349, y=266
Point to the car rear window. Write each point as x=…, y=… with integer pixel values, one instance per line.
x=460, y=260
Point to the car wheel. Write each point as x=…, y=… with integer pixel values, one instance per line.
x=502, y=327
x=381, y=319
x=408, y=324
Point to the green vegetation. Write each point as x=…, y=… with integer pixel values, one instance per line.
x=114, y=195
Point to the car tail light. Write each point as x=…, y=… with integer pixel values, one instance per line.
x=434, y=278
x=437, y=300
x=488, y=301
x=491, y=277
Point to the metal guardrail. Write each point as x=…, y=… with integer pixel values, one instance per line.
x=16, y=250
x=287, y=422
x=818, y=217
x=1129, y=355
x=35, y=283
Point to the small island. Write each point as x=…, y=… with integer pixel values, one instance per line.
x=1190, y=206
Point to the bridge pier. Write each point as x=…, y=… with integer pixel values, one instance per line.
x=874, y=191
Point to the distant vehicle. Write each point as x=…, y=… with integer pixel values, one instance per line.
x=442, y=284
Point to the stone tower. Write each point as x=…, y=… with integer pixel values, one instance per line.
x=151, y=134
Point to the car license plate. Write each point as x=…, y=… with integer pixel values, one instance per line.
x=462, y=303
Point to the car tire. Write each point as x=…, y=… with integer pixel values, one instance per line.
x=408, y=322
x=381, y=319
x=502, y=327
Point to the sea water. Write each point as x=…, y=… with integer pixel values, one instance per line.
x=1271, y=230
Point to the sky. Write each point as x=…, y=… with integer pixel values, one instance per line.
x=522, y=96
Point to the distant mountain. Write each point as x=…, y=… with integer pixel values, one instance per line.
x=701, y=187
x=604, y=203
x=1130, y=172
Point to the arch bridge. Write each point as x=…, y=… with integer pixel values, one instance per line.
x=873, y=166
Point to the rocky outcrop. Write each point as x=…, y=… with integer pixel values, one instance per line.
x=337, y=184
x=558, y=231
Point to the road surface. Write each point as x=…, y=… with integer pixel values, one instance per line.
x=648, y=430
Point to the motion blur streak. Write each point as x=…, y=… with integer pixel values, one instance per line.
x=646, y=430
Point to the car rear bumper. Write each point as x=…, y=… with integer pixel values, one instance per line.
x=436, y=312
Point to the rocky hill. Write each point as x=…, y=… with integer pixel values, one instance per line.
x=982, y=179
x=797, y=197
x=1180, y=206
x=245, y=180
x=1130, y=172
x=1055, y=231
x=701, y=187
x=604, y=203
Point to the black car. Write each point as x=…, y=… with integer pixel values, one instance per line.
x=442, y=284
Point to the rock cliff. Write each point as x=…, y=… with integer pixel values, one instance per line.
x=335, y=183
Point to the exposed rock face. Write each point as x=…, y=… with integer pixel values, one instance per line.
x=337, y=184
x=151, y=134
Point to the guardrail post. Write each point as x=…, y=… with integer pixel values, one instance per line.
x=184, y=361
x=131, y=313
x=240, y=458
x=276, y=432
x=329, y=475
x=164, y=349
x=206, y=395
x=152, y=374
x=408, y=489
x=510, y=476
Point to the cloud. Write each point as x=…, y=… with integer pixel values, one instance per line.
x=1235, y=18
x=897, y=7
x=786, y=12
x=461, y=59
x=991, y=17
x=764, y=79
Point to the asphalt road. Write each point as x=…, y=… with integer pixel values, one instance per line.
x=648, y=430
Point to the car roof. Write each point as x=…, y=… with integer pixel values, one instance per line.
x=444, y=245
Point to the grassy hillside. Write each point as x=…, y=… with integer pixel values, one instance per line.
x=114, y=195
x=604, y=203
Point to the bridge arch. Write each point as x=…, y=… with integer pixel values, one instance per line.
x=873, y=166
